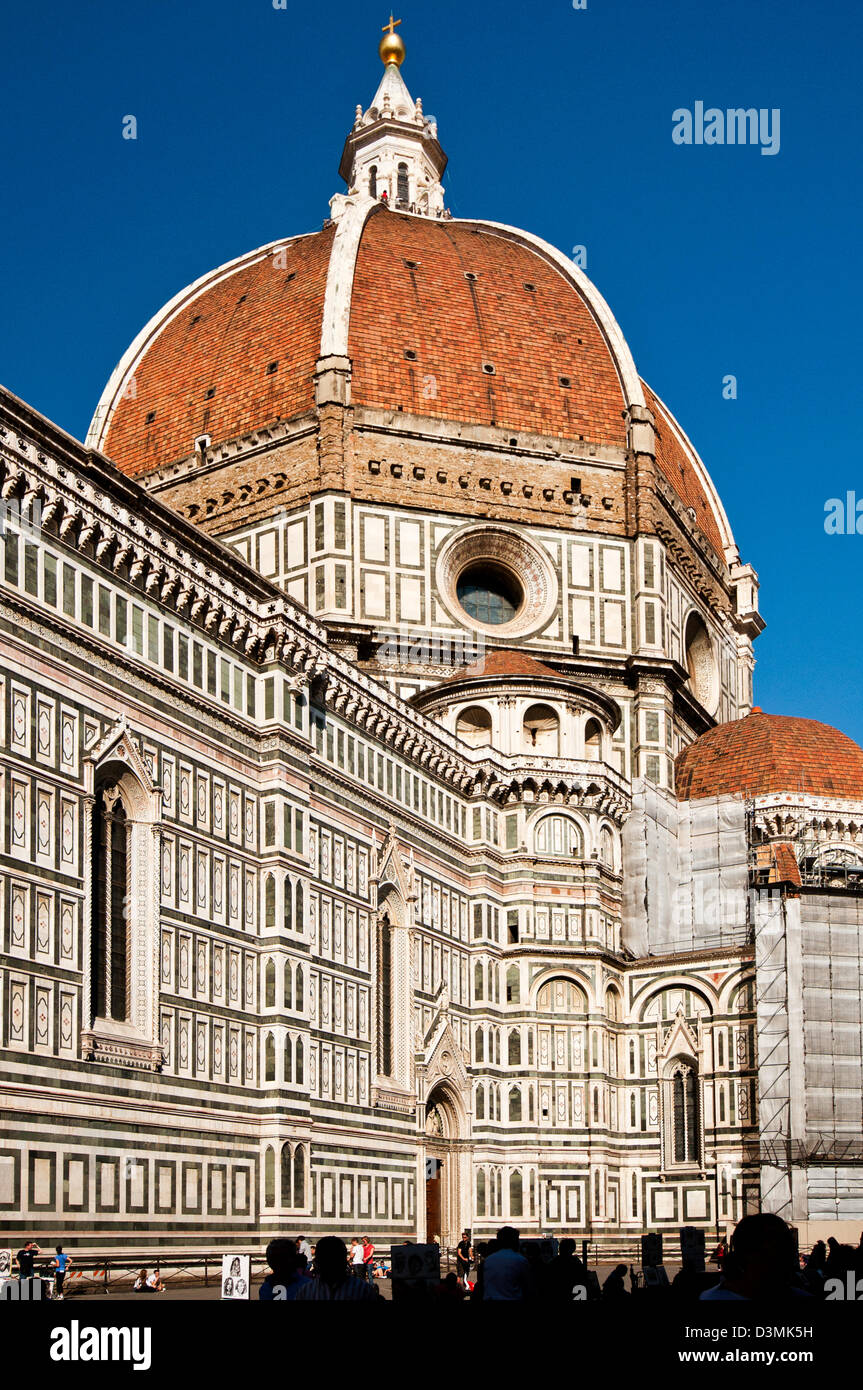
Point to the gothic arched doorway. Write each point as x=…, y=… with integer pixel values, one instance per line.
x=446, y=1189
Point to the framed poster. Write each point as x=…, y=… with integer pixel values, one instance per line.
x=235, y=1276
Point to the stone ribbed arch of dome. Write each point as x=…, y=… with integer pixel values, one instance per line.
x=719, y=513
x=337, y=306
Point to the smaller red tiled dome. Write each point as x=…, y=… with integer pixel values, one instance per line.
x=506, y=663
x=768, y=753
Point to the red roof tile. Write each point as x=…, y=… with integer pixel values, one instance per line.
x=769, y=753
x=506, y=663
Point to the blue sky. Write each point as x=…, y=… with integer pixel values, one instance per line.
x=715, y=259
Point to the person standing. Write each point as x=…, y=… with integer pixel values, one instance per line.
x=25, y=1259
x=463, y=1257
x=356, y=1259
x=506, y=1273
x=369, y=1259
x=60, y=1264
x=303, y=1248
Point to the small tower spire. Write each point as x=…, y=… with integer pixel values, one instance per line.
x=392, y=153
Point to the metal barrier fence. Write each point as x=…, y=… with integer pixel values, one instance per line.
x=102, y=1273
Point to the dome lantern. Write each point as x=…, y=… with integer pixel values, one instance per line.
x=392, y=153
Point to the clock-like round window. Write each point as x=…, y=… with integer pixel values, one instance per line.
x=493, y=579
x=489, y=593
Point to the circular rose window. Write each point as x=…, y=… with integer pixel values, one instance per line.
x=492, y=579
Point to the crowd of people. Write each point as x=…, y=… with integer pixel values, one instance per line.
x=759, y=1262
x=334, y=1275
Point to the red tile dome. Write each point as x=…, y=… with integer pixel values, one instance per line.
x=472, y=323
x=765, y=754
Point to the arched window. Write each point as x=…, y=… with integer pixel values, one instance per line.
x=269, y=1058
x=289, y=905
x=635, y=1194
x=593, y=740
x=515, y=1104
x=298, y=1062
x=606, y=847
x=480, y=1102
x=298, y=916
x=515, y=1194
x=513, y=985
x=479, y=1045
x=514, y=1049
x=559, y=837
x=299, y=1002
x=286, y=1176
x=289, y=985
x=299, y=1176
x=530, y=1104
x=541, y=730
x=473, y=726
x=700, y=661
x=612, y=1005
x=110, y=930
x=270, y=985
x=480, y=1192
x=477, y=980
x=270, y=903
x=373, y=181
x=289, y=1059
x=402, y=190
x=561, y=996
x=685, y=1119
x=633, y=1113
x=269, y=1177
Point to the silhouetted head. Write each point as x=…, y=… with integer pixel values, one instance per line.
x=567, y=1247
x=281, y=1255
x=507, y=1238
x=762, y=1253
x=59, y=1249
x=331, y=1259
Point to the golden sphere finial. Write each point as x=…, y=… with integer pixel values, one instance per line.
x=391, y=47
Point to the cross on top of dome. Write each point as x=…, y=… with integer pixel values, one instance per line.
x=392, y=154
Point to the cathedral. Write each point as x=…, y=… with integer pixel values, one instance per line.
x=390, y=840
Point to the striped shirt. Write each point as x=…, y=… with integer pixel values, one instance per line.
x=348, y=1291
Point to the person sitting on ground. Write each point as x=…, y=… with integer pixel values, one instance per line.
x=761, y=1263
x=506, y=1276
x=142, y=1284
x=332, y=1282
x=154, y=1283
x=614, y=1286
